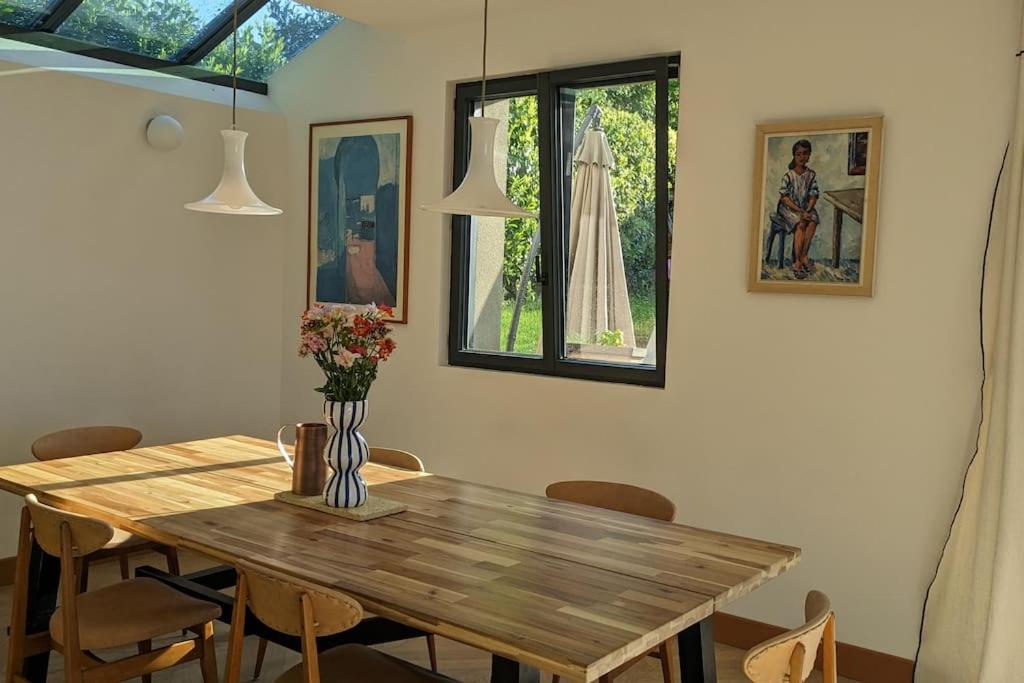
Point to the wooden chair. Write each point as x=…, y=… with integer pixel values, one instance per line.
x=296, y=608
x=392, y=457
x=71, y=443
x=791, y=656
x=613, y=496
x=636, y=501
x=131, y=612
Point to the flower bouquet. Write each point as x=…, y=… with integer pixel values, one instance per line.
x=348, y=343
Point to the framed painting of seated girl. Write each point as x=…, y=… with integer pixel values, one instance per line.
x=815, y=206
x=359, y=178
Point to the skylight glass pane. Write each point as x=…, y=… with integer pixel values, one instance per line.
x=21, y=13
x=273, y=36
x=155, y=28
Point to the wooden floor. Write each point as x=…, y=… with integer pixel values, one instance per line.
x=456, y=660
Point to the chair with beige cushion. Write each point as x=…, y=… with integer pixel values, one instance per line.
x=790, y=657
x=299, y=609
x=635, y=501
x=70, y=443
x=391, y=457
x=131, y=612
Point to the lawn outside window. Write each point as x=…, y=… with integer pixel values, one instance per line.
x=582, y=291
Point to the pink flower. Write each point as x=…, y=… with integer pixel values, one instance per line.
x=311, y=342
x=345, y=358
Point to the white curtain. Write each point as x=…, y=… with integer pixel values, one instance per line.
x=973, y=629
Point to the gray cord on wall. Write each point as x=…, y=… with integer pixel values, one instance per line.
x=483, y=71
x=234, y=64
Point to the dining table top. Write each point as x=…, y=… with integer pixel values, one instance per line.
x=568, y=588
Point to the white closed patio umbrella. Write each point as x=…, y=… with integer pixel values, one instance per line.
x=596, y=300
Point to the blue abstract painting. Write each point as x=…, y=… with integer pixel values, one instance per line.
x=359, y=213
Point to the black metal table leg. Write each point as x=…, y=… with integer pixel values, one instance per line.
x=510, y=671
x=697, y=652
x=43, y=585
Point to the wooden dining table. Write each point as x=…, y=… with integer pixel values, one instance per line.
x=541, y=584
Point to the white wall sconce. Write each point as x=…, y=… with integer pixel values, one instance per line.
x=164, y=133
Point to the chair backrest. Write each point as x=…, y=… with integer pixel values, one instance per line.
x=87, y=534
x=276, y=601
x=290, y=606
x=613, y=496
x=392, y=457
x=85, y=441
x=793, y=653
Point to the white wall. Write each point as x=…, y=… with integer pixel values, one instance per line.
x=118, y=306
x=836, y=424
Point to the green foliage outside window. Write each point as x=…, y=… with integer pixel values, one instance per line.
x=278, y=32
x=628, y=121
x=157, y=28
x=20, y=12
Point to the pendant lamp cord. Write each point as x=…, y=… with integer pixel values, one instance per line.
x=483, y=94
x=234, y=64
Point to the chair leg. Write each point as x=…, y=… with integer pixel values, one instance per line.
x=261, y=652
x=432, y=651
x=146, y=646
x=126, y=571
x=208, y=654
x=19, y=601
x=173, y=566
x=668, y=653
x=829, y=674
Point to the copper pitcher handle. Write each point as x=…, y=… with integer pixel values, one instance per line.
x=280, y=446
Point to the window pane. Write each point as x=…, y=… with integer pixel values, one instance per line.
x=610, y=223
x=155, y=28
x=273, y=36
x=21, y=13
x=504, y=302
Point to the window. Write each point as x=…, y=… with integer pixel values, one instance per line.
x=190, y=38
x=583, y=291
x=274, y=36
x=21, y=12
x=155, y=29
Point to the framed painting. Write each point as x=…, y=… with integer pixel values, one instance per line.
x=815, y=208
x=359, y=179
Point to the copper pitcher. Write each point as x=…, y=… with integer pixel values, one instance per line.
x=309, y=469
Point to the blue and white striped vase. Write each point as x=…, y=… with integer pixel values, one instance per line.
x=346, y=452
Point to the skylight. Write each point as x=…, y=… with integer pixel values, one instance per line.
x=21, y=12
x=155, y=28
x=187, y=37
x=276, y=34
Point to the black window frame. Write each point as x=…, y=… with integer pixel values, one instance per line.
x=546, y=86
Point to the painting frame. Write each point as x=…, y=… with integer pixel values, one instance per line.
x=361, y=128
x=760, y=246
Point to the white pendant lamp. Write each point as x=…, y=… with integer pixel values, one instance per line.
x=479, y=193
x=233, y=194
